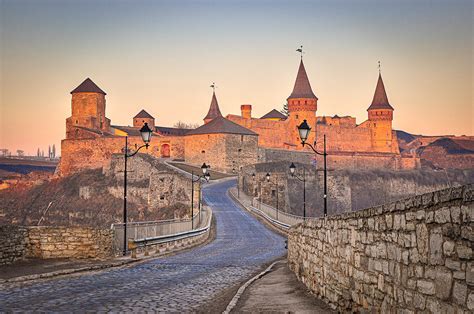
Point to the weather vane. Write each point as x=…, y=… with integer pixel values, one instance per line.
x=213, y=85
x=300, y=50
x=379, y=67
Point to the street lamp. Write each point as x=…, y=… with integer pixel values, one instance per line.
x=146, y=133
x=303, y=130
x=238, y=181
x=205, y=175
x=267, y=176
x=303, y=179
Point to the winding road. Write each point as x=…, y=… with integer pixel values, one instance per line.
x=180, y=283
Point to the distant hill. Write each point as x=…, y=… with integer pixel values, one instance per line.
x=24, y=166
x=450, y=146
x=405, y=136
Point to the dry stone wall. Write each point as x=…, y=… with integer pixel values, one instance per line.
x=413, y=255
x=19, y=242
x=13, y=243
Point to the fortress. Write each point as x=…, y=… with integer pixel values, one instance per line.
x=234, y=141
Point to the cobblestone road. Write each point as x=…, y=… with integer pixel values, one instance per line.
x=178, y=283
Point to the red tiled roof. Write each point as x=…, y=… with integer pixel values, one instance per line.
x=302, y=88
x=88, y=87
x=221, y=125
x=380, y=100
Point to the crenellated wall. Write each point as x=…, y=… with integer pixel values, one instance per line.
x=414, y=255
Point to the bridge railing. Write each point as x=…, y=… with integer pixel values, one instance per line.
x=141, y=230
x=277, y=217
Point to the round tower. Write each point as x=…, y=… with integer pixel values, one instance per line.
x=302, y=105
x=381, y=116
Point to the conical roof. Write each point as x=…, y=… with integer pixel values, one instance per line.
x=88, y=87
x=221, y=125
x=214, y=111
x=144, y=114
x=302, y=88
x=380, y=100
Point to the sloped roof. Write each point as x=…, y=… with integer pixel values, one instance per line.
x=88, y=87
x=274, y=114
x=144, y=114
x=302, y=88
x=214, y=111
x=380, y=100
x=171, y=131
x=131, y=131
x=221, y=125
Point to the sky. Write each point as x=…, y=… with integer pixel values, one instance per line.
x=162, y=56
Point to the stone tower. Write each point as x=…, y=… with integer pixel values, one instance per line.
x=302, y=105
x=142, y=117
x=381, y=117
x=88, y=110
x=214, y=110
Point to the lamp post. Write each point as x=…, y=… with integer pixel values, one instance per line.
x=205, y=175
x=146, y=133
x=303, y=130
x=276, y=183
x=238, y=181
x=253, y=186
x=303, y=179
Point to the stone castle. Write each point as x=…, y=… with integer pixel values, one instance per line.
x=234, y=141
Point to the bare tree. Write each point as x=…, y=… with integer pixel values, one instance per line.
x=20, y=153
x=4, y=151
x=184, y=125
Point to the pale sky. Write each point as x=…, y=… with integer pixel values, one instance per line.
x=163, y=55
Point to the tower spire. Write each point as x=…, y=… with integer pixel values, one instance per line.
x=380, y=100
x=214, y=110
x=302, y=88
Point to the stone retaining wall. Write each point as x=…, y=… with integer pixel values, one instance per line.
x=414, y=254
x=18, y=242
x=13, y=243
x=70, y=242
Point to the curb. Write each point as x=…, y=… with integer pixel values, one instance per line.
x=241, y=290
x=67, y=271
x=102, y=266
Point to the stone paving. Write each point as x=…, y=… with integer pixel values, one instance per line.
x=179, y=283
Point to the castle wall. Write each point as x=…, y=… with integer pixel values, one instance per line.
x=340, y=138
x=222, y=152
x=270, y=133
x=409, y=256
x=79, y=154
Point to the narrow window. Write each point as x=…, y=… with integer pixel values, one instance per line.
x=273, y=192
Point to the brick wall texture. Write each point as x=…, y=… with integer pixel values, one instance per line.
x=412, y=255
